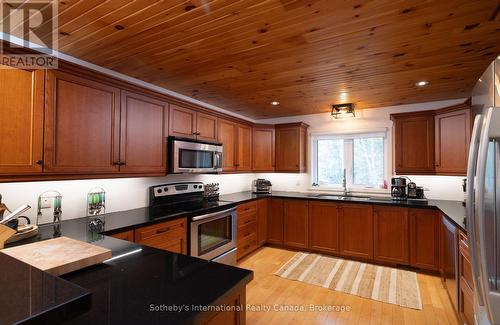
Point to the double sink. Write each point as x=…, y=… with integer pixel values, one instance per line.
x=349, y=197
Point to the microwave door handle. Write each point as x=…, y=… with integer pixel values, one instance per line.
x=471, y=226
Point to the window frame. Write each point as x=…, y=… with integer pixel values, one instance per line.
x=348, y=138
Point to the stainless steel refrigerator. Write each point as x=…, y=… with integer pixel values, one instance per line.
x=483, y=196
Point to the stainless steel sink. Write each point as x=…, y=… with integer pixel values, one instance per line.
x=345, y=198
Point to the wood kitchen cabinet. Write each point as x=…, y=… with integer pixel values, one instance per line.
x=424, y=238
x=82, y=125
x=170, y=236
x=414, y=142
x=453, y=131
x=262, y=211
x=291, y=147
x=247, y=237
x=21, y=121
x=244, y=148
x=275, y=221
x=295, y=231
x=126, y=235
x=189, y=123
x=356, y=230
x=144, y=129
x=466, y=283
x=237, y=142
x=323, y=226
x=390, y=234
x=263, y=157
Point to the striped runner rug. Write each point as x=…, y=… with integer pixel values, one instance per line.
x=386, y=284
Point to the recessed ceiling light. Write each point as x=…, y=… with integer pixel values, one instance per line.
x=422, y=83
x=275, y=103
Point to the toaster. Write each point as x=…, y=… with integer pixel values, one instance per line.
x=261, y=186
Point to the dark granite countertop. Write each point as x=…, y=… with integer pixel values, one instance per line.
x=123, y=289
x=453, y=210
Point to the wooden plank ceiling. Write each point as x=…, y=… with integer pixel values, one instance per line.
x=307, y=54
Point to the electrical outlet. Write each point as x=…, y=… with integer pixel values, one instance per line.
x=45, y=203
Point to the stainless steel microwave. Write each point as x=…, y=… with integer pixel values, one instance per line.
x=191, y=156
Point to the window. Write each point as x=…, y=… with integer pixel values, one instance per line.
x=360, y=156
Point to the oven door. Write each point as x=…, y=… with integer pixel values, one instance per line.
x=196, y=157
x=213, y=234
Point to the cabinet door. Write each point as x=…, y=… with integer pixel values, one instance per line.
x=82, y=120
x=323, y=227
x=244, y=144
x=263, y=155
x=227, y=134
x=170, y=236
x=262, y=210
x=182, y=122
x=390, y=231
x=275, y=222
x=356, y=230
x=424, y=238
x=144, y=122
x=414, y=144
x=287, y=149
x=295, y=223
x=453, y=131
x=206, y=127
x=21, y=121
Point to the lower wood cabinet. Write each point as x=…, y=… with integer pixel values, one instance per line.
x=169, y=236
x=262, y=210
x=247, y=240
x=233, y=313
x=275, y=221
x=356, y=230
x=324, y=226
x=295, y=223
x=126, y=235
x=466, y=284
x=424, y=238
x=390, y=234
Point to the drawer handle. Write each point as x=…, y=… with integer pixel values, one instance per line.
x=160, y=231
x=248, y=221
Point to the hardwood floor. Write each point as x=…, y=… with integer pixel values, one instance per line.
x=270, y=290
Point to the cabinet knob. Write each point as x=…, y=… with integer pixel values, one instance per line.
x=119, y=163
x=39, y=162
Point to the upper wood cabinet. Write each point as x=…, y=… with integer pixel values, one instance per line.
x=324, y=226
x=295, y=223
x=21, y=121
x=263, y=158
x=189, y=123
x=244, y=148
x=227, y=135
x=237, y=145
x=453, y=132
x=414, y=142
x=424, y=238
x=144, y=129
x=275, y=221
x=356, y=230
x=291, y=147
x=82, y=125
x=390, y=234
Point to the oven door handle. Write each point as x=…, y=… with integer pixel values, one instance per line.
x=215, y=214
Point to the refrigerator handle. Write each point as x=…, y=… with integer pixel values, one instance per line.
x=471, y=226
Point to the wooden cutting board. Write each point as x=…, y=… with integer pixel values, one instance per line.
x=59, y=255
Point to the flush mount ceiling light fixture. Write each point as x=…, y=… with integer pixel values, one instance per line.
x=275, y=103
x=421, y=83
x=340, y=111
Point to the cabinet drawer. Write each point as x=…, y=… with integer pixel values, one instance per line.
x=465, y=268
x=126, y=235
x=246, y=231
x=246, y=218
x=463, y=240
x=247, y=207
x=161, y=230
x=246, y=246
x=466, y=306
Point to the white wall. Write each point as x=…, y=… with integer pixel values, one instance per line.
x=121, y=194
x=438, y=187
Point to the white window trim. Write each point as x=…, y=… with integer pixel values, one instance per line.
x=383, y=132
